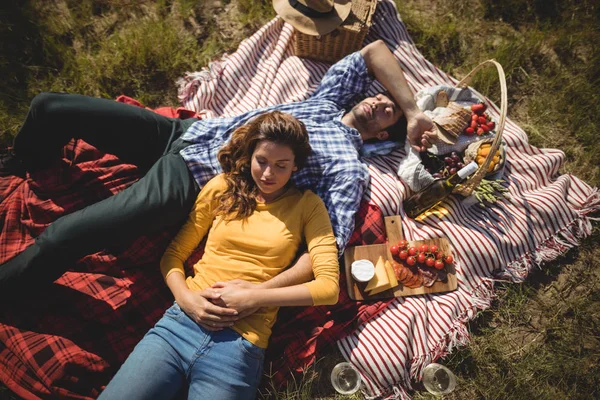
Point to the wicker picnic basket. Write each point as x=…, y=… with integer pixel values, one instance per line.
x=471, y=184
x=344, y=40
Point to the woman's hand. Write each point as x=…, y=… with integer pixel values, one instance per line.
x=420, y=131
x=198, y=305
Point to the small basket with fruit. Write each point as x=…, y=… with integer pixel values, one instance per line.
x=492, y=157
x=479, y=152
x=466, y=133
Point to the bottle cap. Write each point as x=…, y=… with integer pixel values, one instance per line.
x=468, y=169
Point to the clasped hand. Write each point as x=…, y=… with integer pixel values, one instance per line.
x=219, y=306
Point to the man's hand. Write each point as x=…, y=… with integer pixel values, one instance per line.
x=236, y=284
x=237, y=295
x=198, y=305
x=420, y=131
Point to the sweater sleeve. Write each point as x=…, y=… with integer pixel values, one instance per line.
x=322, y=249
x=194, y=229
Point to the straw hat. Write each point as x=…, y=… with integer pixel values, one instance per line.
x=313, y=17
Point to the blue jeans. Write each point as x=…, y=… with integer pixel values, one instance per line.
x=177, y=352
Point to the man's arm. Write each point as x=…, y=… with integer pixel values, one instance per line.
x=382, y=64
x=300, y=272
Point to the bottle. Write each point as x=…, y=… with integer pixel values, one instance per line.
x=436, y=191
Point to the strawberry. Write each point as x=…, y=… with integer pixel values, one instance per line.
x=469, y=131
x=485, y=127
x=480, y=131
x=491, y=125
x=478, y=108
x=482, y=120
x=474, y=125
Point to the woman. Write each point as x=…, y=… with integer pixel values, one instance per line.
x=255, y=222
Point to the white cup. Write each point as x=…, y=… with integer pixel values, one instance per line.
x=345, y=378
x=438, y=379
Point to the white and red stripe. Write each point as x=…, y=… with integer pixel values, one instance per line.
x=545, y=210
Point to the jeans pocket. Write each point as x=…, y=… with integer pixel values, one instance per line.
x=251, y=349
x=174, y=312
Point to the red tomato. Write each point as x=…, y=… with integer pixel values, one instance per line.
x=411, y=260
x=439, y=255
x=412, y=251
x=421, y=258
x=438, y=265
x=448, y=259
x=394, y=250
x=433, y=248
x=403, y=244
x=430, y=261
x=424, y=248
x=403, y=255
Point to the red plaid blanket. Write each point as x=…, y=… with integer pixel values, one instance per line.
x=69, y=340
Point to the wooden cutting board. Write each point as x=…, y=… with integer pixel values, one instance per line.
x=393, y=227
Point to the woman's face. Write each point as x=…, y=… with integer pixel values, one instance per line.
x=271, y=167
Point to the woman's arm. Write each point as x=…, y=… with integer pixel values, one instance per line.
x=196, y=304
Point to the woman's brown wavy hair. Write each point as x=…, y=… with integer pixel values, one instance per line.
x=239, y=199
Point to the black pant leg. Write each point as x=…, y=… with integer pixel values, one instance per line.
x=162, y=198
x=134, y=134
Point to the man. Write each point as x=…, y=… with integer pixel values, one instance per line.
x=180, y=157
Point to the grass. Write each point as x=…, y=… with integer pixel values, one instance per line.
x=540, y=339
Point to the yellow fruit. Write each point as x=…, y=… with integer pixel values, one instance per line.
x=496, y=159
x=484, y=152
x=491, y=167
x=480, y=160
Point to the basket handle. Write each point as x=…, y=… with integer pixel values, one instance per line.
x=467, y=188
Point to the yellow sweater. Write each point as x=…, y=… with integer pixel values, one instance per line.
x=257, y=249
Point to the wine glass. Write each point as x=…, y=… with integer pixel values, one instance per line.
x=438, y=379
x=345, y=378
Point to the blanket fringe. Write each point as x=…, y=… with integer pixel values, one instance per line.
x=458, y=335
x=397, y=393
x=188, y=85
x=565, y=239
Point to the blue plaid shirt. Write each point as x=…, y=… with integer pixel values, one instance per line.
x=333, y=170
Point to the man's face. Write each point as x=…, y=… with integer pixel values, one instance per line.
x=375, y=114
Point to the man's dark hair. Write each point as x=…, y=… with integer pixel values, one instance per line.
x=397, y=131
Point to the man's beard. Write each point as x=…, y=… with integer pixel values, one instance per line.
x=361, y=118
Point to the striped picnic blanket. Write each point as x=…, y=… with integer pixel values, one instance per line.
x=547, y=213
